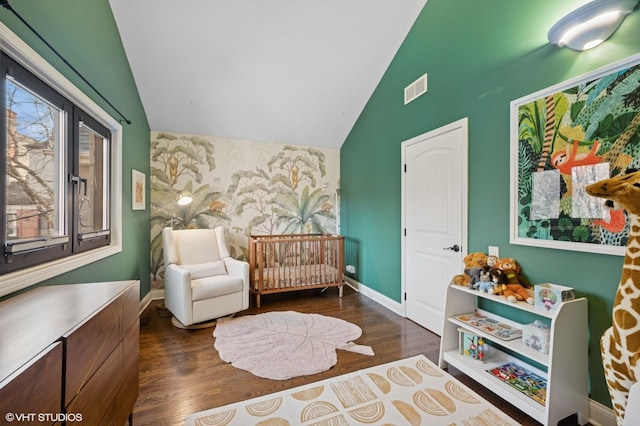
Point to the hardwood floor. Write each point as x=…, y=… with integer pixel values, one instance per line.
x=181, y=373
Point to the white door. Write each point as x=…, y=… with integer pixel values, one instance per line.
x=434, y=211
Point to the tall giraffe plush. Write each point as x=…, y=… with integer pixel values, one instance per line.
x=620, y=344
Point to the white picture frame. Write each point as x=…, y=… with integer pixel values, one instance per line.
x=138, y=190
x=551, y=132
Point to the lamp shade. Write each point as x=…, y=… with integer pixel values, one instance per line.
x=591, y=24
x=184, y=197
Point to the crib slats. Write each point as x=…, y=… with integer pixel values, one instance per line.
x=295, y=262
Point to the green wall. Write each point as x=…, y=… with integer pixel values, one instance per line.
x=85, y=34
x=479, y=56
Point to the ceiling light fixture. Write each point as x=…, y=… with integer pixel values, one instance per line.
x=591, y=24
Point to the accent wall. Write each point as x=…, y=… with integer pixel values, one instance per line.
x=479, y=56
x=245, y=186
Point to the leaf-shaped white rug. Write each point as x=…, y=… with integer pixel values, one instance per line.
x=281, y=345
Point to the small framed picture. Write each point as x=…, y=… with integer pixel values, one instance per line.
x=137, y=190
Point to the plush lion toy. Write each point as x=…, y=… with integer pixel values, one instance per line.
x=514, y=288
x=474, y=263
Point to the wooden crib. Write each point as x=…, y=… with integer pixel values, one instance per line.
x=292, y=262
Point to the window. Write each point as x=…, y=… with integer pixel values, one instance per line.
x=60, y=172
x=93, y=168
x=55, y=173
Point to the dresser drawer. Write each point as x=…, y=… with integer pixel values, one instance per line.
x=36, y=387
x=131, y=344
x=122, y=405
x=97, y=394
x=110, y=393
x=131, y=308
x=88, y=345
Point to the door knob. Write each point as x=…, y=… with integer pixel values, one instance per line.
x=454, y=247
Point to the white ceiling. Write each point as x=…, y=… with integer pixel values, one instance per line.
x=288, y=71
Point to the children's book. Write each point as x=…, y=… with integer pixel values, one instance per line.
x=523, y=380
x=489, y=325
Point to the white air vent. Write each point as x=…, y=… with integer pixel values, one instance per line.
x=415, y=89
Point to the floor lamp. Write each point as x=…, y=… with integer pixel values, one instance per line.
x=183, y=198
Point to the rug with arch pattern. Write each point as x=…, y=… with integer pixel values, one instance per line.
x=412, y=391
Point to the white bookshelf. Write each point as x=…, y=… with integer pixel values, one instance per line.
x=566, y=363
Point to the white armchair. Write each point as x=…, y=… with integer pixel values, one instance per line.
x=201, y=281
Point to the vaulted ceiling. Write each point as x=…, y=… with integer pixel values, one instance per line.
x=288, y=71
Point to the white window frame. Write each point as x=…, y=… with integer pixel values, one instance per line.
x=37, y=65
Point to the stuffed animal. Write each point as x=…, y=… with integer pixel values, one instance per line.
x=511, y=270
x=513, y=289
x=485, y=284
x=497, y=276
x=499, y=280
x=516, y=292
x=474, y=263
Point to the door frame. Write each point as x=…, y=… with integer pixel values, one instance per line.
x=463, y=124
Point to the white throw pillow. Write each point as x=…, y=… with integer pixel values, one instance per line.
x=208, y=269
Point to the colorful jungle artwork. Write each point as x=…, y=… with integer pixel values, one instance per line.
x=564, y=138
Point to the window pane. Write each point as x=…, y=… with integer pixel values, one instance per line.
x=93, y=160
x=35, y=176
x=12, y=230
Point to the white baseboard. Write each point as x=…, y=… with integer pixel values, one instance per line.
x=145, y=302
x=156, y=294
x=599, y=415
x=380, y=298
x=352, y=283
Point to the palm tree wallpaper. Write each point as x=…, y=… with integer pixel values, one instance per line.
x=248, y=187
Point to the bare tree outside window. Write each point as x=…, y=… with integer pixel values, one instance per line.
x=34, y=197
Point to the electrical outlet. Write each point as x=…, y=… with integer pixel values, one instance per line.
x=494, y=251
x=351, y=269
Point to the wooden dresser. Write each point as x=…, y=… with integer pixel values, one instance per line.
x=69, y=354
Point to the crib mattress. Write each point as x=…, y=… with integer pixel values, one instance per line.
x=297, y=276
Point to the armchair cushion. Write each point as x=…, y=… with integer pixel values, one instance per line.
x=190, y=246
x=208, y=269
x=215, y=286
